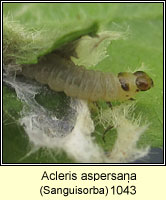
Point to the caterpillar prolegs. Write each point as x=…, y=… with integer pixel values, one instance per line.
x=61, y=74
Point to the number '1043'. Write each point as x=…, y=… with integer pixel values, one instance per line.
x=118, y=190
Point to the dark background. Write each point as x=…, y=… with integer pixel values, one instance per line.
x=155, y=156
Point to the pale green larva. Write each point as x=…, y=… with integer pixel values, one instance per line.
x=61, y=74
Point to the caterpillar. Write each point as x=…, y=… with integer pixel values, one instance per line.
x=61, y=74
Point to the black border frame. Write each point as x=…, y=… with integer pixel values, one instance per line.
x=83, y=164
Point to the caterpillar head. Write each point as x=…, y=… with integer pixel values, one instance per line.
x=134, y=82
x=143, y=81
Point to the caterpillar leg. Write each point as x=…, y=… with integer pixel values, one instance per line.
x=106, y=130
x=93, y=106
x=109, y=104
x=96, y=104
x=132, y=99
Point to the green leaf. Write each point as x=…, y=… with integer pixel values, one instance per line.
x=38, y=28
x=33, y=37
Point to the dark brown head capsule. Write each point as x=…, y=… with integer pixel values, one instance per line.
x=143, y=81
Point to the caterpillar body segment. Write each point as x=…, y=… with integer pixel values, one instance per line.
x=61, y=74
